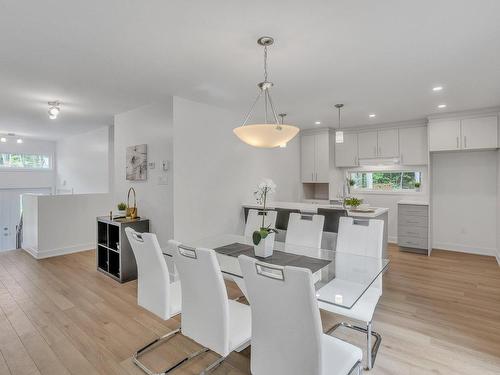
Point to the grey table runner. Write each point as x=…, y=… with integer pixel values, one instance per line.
x=278, y=258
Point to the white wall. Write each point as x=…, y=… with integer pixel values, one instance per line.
x=152, y=125
x=498, y=207
x=83, y=162
x=465, y=201
x=214, y=172
x=61, y=224
x=28, y=178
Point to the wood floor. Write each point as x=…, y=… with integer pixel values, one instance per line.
x=438, y=315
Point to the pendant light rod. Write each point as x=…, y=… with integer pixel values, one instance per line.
x=339, y=107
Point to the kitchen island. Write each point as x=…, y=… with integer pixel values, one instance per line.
x=379, y=213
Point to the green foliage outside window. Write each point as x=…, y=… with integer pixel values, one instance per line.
x=386, y=180
x=24, y=161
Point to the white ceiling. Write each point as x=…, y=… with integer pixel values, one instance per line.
x=101, y=57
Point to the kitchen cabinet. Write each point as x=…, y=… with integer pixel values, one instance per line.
x=413, y=146
x=480, y=133
x=444, y=135
x=378, y=144
x=387, y=141
x=346, y=153
x=464, y=134
x=367, y=145
x=315, y=157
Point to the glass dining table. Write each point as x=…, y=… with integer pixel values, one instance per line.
x=340, y=279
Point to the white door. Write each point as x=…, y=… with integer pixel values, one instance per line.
x=367, y=145
x=308, y=156
x=388, y=143
x=10, y=213
x=322, y=158
x=480, y=133
x=444, y=135
x=346, y=153
x=413, y=145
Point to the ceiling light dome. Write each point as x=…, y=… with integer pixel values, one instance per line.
x=54, y=109
x=266, y=135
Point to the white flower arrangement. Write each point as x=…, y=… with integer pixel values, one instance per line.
x=264, y=189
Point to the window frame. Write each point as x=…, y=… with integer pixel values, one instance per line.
x=387, y=192
x=49, y=155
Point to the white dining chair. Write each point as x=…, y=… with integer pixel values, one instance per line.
x=155, y=290
x=287, y=337
x=361, y=237
x=208, y=316
x=254, y=221
x=305, y=230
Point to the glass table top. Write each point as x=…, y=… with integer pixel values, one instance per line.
x=341, y=282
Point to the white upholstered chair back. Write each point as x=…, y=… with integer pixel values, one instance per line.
x=205, y=311
x=361, y=237
x=307, y=231
x=153, y=279
x=286, y=324
x=254, y=221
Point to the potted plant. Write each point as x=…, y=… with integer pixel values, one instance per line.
x=263, y=238
x=122, y=207
x=350, y=184
x=417, y=186
x=353, y=202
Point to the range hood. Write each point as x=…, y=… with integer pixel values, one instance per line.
x=379, y=161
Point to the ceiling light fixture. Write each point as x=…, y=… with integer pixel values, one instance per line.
x=339, y=134
x=282, y=115
x=372, y=115
x=19, y=140
x=54, y=109
x=441, y=106
x=265, y=135
x=437, y=88
x=317, y=123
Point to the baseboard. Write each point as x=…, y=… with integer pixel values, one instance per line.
x=498, y=258
x=37, y=254
x=392, y=239
x=465, y=249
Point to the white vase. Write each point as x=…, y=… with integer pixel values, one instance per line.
x=265, y=247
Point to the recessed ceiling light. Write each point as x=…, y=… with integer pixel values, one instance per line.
x=437, y=88
x=317, y=123
x=442, y=106
x=54, y=109
x=19, y=140
x=3, y=139
x=372, y=115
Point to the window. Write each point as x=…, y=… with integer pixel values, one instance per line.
x=387, y=180
x=24, y=161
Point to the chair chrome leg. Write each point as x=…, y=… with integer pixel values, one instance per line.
x=357, y=368
x=212, y=366
x=153, y=344
x=372, y=351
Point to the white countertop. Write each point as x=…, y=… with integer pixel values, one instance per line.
x=313, y=208
x=416, y=203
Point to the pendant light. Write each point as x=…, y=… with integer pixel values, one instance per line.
x=267, y=135
x=339, y=134
x=282, y=116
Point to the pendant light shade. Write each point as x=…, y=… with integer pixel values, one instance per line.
x=265, y=135
x=339, y=134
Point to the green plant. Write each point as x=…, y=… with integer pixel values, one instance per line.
x=122, y=206
x=353, y=202
x=262, y=233
x=351, y=182
x=417, y=185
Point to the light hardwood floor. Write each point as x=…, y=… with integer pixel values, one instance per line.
x=438, y=315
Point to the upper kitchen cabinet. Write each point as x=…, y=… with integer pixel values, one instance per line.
x=444, y=135
x=413, y=145
x=315, y=157
x=387, y=140
x=367, y=145
x=346, y=153
x=464, y=134
x=481, y=132
x=378, y=144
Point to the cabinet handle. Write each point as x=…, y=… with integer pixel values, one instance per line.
x=465, y=141
x=316, y=176
x=457, y=142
